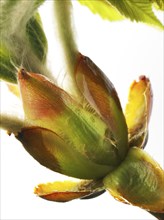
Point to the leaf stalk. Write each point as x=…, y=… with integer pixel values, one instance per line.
x=65, y=28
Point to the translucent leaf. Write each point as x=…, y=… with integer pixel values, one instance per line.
x=14, y=89
x=103, y=8
x=138, y=111
x=15, y=14
x=159, y=4
x=7, y=69
x=137, y=10
x=66, y=191
x=139, y=181
x=101, y=95
x=55, y=153
x=22, y=36
x=50, y=107
x=36, y=37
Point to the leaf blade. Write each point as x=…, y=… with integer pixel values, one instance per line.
x=159, y=4
x=22, y=36
x=50, y=107
x=100, y=94
x=138, y=111
x=67, y=190
x=138, y=181
x=15, y=14
x=137, y=10
x=36, y=37
x=7, y=69
x=55, y=153
x=103, y=8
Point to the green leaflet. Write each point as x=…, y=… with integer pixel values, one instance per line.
x=103, y=8
x=159, y=4
x=15, y=14
x=47, y=106
x=23, y=37
x=36, y=37
x=28, y=49
x=102, y=97
x=137, y=10
x=138, y=181
x=7, y=69
x=53, y=152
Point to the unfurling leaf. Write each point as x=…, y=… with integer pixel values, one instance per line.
x=7, y=68
x=137, y=10
x=36, y=37
x=57, y=154
x=50, y=107
x=113, y=10
x=138, y=181
x=159, y=4
x=22, y=37
x=77, y=130
x=104, y=9
x=138, y=111
x=15, y=14
x=101, y=95
x=67, y=190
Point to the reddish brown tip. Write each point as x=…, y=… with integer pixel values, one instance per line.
x=22, y=74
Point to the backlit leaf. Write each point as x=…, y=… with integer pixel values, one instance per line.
x=15, y=14
x=103, y=8
x=139, y=181
x=138, y=111
x=67, y=190
x=55, y=153
x=101, y=95
x=159, y=4
x=7, y=68
x=36, y=37
x=48, y=106
x=22, y=36
x=137, y=10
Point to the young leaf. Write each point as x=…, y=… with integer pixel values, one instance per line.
x=137, y=10
x=159, y=4
x=61, y=191
x=104, y=9
x=50, y=107
x=68, y=190
x=15, y=14
x=138, y=111
x=138, y=181
x=7, y=69
x=101, y=95
x=23, y=37
x=36, y=37
x=55, y=153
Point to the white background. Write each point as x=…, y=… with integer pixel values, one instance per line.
x=124, y=51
